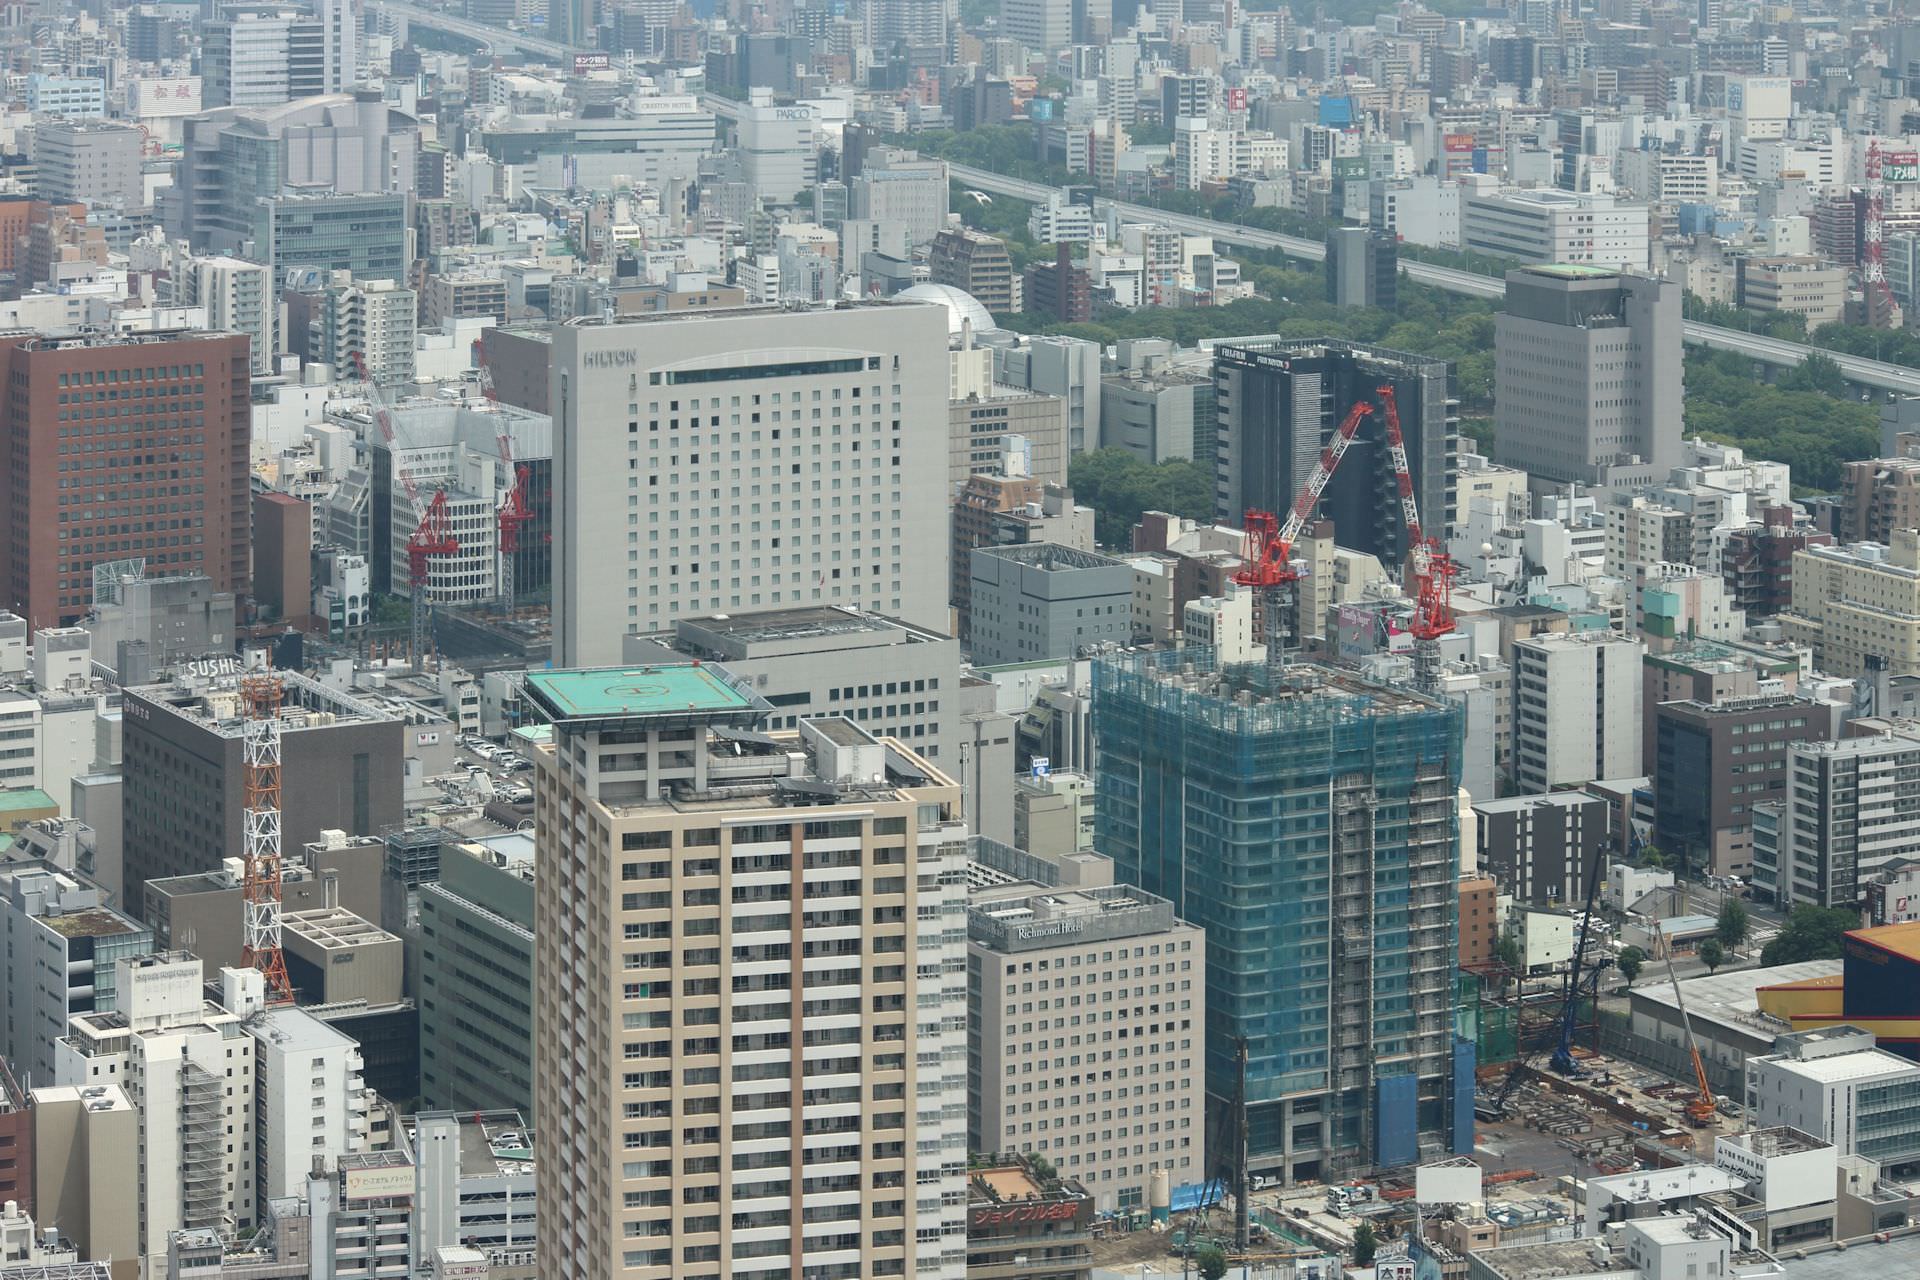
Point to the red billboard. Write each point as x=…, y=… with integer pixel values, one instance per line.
x=1459, y=142
x=1236, y=99
x=586, y=62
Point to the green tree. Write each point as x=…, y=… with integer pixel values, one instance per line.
x=1712, y=954
x=1812, y=933
x=1650, y=856
x=1211, y=1259
x=1365, y=1245
x=1733, y=926
x=1508, y=949
x=1119, y=487
x=1630, y=961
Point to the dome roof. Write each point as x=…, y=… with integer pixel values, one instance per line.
x=961, y=306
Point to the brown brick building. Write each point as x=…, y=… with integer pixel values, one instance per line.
x=117, y=447
x=282, y=558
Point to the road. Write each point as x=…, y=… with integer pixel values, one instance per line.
x=484, y=32
x=1870, y=373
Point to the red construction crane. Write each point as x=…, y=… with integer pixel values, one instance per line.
x=260, y=831
x=514, y=513
x=1269, y=563
x=1430, y=571
x=433, y=528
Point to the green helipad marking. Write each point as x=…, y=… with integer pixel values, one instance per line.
x=637, y=691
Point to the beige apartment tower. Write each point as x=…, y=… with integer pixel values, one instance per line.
x=749, y=989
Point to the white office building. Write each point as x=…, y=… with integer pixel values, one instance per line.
x=238, y=299
x=188, y=1068
x=778, y=146
x=313, y=1097
x=744, y=459
x=1836, y=1084
x=1576, y=709
x=1543, y=225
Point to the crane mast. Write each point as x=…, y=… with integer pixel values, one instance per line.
x=261, y=857
x=1429, y=569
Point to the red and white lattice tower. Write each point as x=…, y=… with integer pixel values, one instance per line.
x=260, y=824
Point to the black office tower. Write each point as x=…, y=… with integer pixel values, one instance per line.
x=1279, y=404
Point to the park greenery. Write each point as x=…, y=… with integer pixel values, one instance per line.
x=1808, y=417
x=1811, y=933
x=1119, y=486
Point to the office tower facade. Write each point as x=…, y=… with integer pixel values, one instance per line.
x=1279, y=404
x=343, y=145
x=188, y=1069
x=1044, y=601
x=1542, y=849
x=1588, y=376
x=264, y=55
x=476, y=961
x=1107, y=946
x=975, y=263
x=130, y=446
x=707, y=1107
x=1852, y=806
x=239, y=298
x=1714, y=761
x=57, y=922
x=895, y=680
x=1576, y=709
x=90, y=162
x=1332, y=945
x=1362, y=268
x=1041, y=26
x=184, y=777
x=768, y=457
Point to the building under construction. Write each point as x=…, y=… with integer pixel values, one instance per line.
x=1307, y=820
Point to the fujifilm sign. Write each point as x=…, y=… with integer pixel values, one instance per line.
x=610, y=359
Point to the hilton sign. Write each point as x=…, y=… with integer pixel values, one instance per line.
x=609, y=359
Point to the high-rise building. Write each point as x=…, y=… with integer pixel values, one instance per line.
x=898, y=681
x=918, y=24
x=571, y=22
x=1331, y=943
x=188, y=1069
x=184, y=775
x=348, y=325
x=1851, y=806
x=1576, y=709
x=476, y=957
x=837, y=415
x=1279, y=403
x=1363, y=268
x=1587, y=376
x=57, y=923
x=1714, y=761
x=975, y=263
x=262, y=55
x=1096, y=943
x=311, y=1094
x=1542, y=849
x=767, y=1081
x=898, y=186
x=239, y=298
x=128, y=446
x=92, y=162
x=330, y=148
x=1041, y=26
x=1858, y=605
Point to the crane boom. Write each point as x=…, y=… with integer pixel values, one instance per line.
x=1702, y=1109
x=1269, y=561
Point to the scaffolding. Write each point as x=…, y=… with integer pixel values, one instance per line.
x=1307, y=819
x=203, y=1200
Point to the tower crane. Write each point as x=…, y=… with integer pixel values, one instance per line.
x=262, y=691
x=1430, y=571
x=433, y=526
x=514, y=514
x=1269, y=565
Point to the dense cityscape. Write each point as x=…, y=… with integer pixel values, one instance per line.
x=962, y=639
